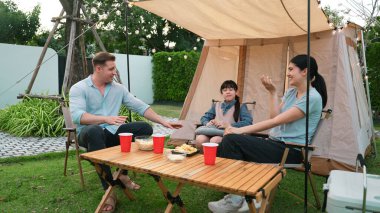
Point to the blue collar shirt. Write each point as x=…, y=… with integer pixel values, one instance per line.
x=86, y=98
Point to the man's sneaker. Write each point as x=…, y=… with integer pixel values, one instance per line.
x=225, y=205
x=244, y=207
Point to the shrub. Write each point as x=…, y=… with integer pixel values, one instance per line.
x=135, y=116
x=40, y=118
x=373, y=51
x=172, y=79
x=33, y=117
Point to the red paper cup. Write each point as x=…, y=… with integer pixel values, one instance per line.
x=125, y=141
x=158, y=143
x=209, y=153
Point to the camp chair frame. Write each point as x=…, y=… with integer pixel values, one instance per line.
x=325, y=115
x=288, y=145
x=72, y=138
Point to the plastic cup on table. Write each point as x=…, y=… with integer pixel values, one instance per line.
x=125, y=141
x=209, y=153
x=158, y=143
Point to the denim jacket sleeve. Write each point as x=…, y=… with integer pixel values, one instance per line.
x=209, y=115
x=245, y=117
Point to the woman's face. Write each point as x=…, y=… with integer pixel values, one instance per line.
x=295, y=75
x=228, y=94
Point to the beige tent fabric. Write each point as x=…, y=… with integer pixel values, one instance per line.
x=221, y=65
x=341, y=137
x=226, y=19
x=270, y=35
x=264, y=60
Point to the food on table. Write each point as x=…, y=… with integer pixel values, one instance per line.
x=144, y=143
x=185, y=148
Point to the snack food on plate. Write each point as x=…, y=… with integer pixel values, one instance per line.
x=185, y=148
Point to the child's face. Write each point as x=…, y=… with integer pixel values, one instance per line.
x=228, y=94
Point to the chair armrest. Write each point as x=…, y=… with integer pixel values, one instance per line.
x=70, y=129
x=299, y=146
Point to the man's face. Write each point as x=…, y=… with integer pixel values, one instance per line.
x=107, y=71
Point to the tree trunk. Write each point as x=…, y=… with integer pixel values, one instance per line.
x=77, y=71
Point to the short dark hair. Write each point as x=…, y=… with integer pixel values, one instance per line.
x=101, y=58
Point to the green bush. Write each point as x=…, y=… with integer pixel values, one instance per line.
x=40, y=118
x=33, y=117
x=172, y=79
x=373, y=62
x=135, y=116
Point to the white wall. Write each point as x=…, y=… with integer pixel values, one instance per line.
x=16, y=61
x=140, y=69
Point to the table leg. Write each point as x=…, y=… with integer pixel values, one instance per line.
x=103, y=201
x=171, y=198
x=111, y=187
x=264, y=203
x=126, y=191
x=251, y=205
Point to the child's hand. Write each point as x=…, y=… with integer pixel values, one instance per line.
x=223, y=125
x=211, y=123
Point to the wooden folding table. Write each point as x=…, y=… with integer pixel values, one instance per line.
x=247, y=179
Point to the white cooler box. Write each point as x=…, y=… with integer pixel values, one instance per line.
x=346, y=189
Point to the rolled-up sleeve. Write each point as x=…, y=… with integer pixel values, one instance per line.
x=133, y=103
x=208, y=116
x=245, y=117
x=77, y=103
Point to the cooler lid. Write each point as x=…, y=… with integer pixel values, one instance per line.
x=346, y=190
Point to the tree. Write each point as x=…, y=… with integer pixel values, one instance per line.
x=373, y=64
x=77, y=69
x=16, y=26
x=147, y=33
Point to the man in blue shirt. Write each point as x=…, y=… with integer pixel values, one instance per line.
x=95, y=103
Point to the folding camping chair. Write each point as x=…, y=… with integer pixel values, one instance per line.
x=186, y=134
x=325, y=115
x=71, y=139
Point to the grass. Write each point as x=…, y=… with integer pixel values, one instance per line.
x=172, y=110
x=37, y=184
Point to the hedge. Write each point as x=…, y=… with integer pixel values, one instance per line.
x=172, y=78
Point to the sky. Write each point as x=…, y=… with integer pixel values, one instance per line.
x=52, y=8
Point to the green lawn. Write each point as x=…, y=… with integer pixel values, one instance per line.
x=168, y=109
x=37, y=184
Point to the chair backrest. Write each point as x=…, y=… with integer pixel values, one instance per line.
x=250, y=105
x=67, y=117
x=326, y=114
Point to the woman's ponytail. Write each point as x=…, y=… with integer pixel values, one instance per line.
x=319, y=84
x=317, y=81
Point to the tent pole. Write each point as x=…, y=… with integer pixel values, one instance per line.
x=127, y=43
x=367, y=90
x=307, y=165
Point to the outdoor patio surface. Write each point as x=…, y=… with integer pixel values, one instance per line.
x=11, y=146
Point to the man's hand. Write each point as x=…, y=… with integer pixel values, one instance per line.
x=115, y=120
x=171, y=125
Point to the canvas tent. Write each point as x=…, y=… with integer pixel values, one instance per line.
x=246, y=39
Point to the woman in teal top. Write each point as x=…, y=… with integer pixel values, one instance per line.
x=287, y=123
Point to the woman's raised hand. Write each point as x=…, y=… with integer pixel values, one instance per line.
x=268, y=84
